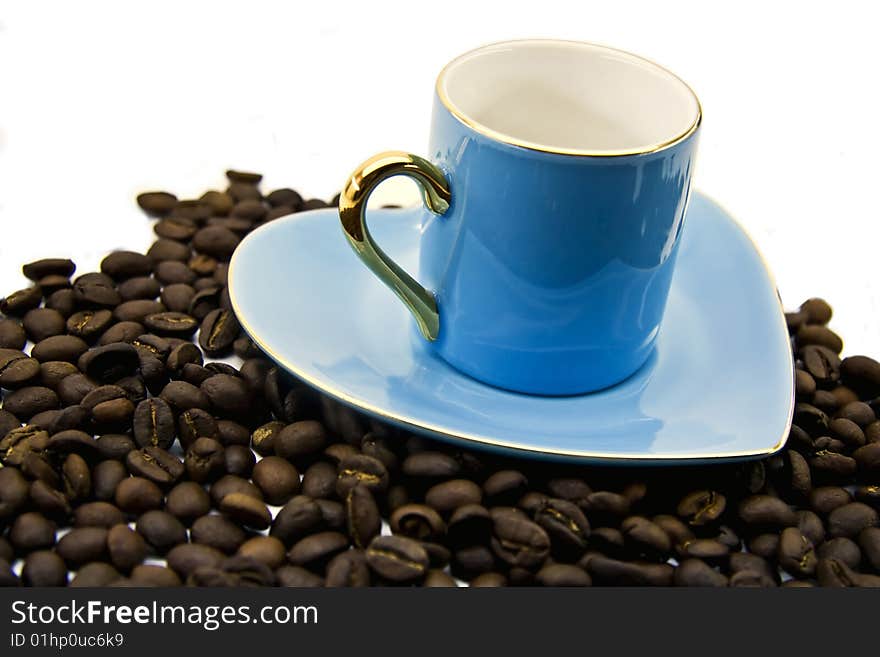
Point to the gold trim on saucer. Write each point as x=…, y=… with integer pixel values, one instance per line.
x=416, y=425
x=495, y=135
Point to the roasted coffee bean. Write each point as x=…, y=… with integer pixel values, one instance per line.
x=97, y=514
x=218, y=532
x=362, y=516
x=183, y=354
x=862, y=374
x=348, y=569
x=431, y=465
x=168, y=249
x=219, y=202
x=95, y=574
x=608, y=571
x=504, y=487
x=114, y=446
x=161, y=530
x=764, y=545
x=316, y=550
x=841, y=548
x=297, y=576
x=764, y=510
x=797, y=471
x=18, y=303
x=32, y=531
x=850, y=519
x=397, y=558
x=155, y=464
x=171, y=324
x=242, y=191
x=702, y=507
x=76, y=478
x=847, y=431
x=48, y=267
x=796, y=554
x=182, y=396
x=194, y=424
x=121, y=332
x=156, y=204
x=472, y=561
x=216, y=241
x=870, y=495
x=231, y=484
x=363, y=470
x=804, y=385
x=12, y=335
x=298, y=518
x=606, y=505
x=516, y=540
x=218, y=331
x=822, y=363
x=8, y=422
x=66, y=348
x=423, y=523
x=277, y=479
x=17, y=370
x=172, y=272
x=238, y=460
x=449, y=495
x=265, y=549
x=263, y=437
x=299, y=439
x=645, y=538
x=810, y=525
x=825, y=499
x=126, y=547
x=566, y=525
x=42, y=323
x=186, y=558
x=44, y=568
x=152, y=575
x=204, y=460
x=831, y=572
x=695, y=572
x=832, y=465
x=246, y=510
x=175, y=228
x=82, y=545
x=867, y=458
x=139, y=287
x=188, y=501
x=137, y=495
x=30, y=400
x=230, y=396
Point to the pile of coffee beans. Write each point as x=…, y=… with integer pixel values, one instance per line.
x=145, y=440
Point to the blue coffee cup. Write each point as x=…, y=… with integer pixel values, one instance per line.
x=555, y=190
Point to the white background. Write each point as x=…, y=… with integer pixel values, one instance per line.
x=101, y=100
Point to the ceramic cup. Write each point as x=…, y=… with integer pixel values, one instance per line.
x=556, y=185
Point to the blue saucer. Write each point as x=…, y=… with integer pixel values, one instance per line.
x=720, y=384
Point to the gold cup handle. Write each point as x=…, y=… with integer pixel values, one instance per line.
x=353, y=210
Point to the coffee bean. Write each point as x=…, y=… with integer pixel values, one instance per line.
x=397, y=558
x=702, y=507
x=172, y=272
x=161, y=530
x=277, y=479
x=42, y=323
x=168, y=249
x=811, y=526
x=850, y=519
x=862, y=374
x=137, y=495
x=348, y=569
x=804, y=385
x=188, y=501
x=32, y=531
x=299, y=439
x=431, y=465
x=18, y=303
x=44, y=568
x=97, y=514
x=114, y=446
x=182, y=396
x=229, y=395
x=764, y=510
x=796, y=554
x=218, y=331
x=30, y=400
x=363, y=470
x=362, y=515
x=316, y=550
x=298, y=518
x=449, y=495
x=566, y=526
x=867, y=458
x=504, y=487
x=246, y=510
x=205, y=460
x=156, y=204
x=152, y=575
x=645, y=538
x=764, y=545
x=175, y=228
x=695, y=572
x=17, y=370
x=82, y=545
x=231, y=484
x=186, y=558
x=76, y=478
x=516, y=540
x=608, y=571
x=831, y=572
x=847, y=431
x=832, y=465
x=218, y=532
x=265, y=549
x=121, y=332
x=155, y=464
x=297, y=576
x=12, y=335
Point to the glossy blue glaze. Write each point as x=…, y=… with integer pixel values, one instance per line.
x=723, y=346
x=551, y=271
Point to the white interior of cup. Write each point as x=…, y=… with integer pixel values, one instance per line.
x=568, y=97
